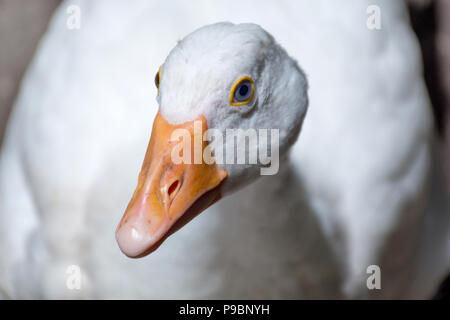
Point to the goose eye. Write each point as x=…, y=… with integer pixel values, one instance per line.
x=242, y=92
x=158, y=79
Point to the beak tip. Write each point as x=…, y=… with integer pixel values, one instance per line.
x=133, y=241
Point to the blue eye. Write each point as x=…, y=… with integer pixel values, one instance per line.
x=243, y=91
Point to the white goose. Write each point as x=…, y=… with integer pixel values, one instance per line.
x=355, y=190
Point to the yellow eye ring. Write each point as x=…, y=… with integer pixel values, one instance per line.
x=158, y=79
x=241, y=93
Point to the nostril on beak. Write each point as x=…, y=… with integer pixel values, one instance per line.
x=173, y=189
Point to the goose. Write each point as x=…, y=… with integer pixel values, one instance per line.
x=359, y=181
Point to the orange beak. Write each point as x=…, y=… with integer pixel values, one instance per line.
x=168, y=194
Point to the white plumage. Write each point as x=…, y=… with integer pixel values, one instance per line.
x=361, y=186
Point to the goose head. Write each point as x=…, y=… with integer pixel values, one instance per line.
x=220, y=77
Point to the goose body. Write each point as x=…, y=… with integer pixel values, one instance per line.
x=360, y=187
